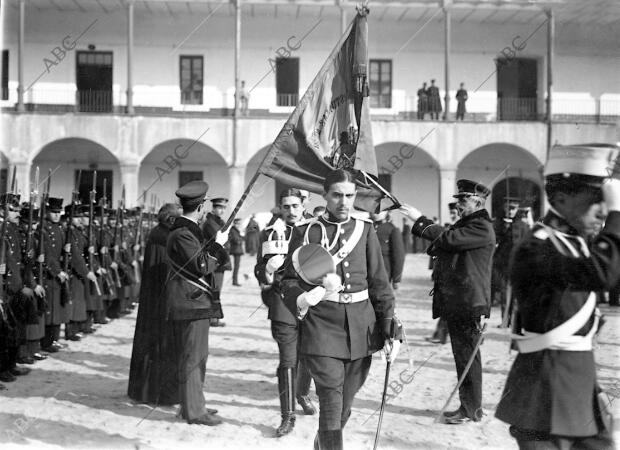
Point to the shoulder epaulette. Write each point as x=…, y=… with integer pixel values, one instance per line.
x=363, y=219
x=306, y=221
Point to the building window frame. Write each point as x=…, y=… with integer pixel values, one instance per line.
x=192, y=87
x=379, y=99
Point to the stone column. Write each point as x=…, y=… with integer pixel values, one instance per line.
x=22, y=174
x=129, y=179
x=236, y=184
x=447, y=188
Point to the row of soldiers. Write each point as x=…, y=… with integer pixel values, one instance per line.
x=77, y=269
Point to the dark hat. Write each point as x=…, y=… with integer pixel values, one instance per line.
x=11, y=199
x=452, y=205
x=54, y=204
x=220, y=201
x=76, y=210
x=25, y=212
x=587, y=164
x=192, y=193
x=468, y=187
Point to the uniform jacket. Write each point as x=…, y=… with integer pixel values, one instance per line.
x=272, y=293
x=553, y=391
x=392, y=249
x=464, y=257
x=235, y=241
x=508, y=234
x=212, y=225
x=339, y=330
x=189, y=261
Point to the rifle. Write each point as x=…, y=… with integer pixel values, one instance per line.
x=65, y=288
x=3, y=249
x=137, y=241
x=113, y=252
x=106, y=278
x=89, y=234
x=42, y=209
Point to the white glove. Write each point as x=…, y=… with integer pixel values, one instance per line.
x=332, y=282
x=611, y=194
x=411, y=212
x=274, y=263
x=113, y=265
x=221, y=237
x=62, y=276
x=92, y=277
x=310, y=298
x=39, y=290
x=391, y=348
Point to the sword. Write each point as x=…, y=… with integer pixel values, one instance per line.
x=383, y=401
x=464, y=374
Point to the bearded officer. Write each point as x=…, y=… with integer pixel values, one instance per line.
x=189, y=297
x=293, y=377
x=350, y=316
x=550, y=398
x=462, y=286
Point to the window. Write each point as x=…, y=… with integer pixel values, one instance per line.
x=185, y=176
x=380, y=83
x=5, y=74
x=287, y=81
x=191, y=80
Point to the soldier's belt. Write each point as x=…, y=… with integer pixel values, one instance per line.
x=347, y=297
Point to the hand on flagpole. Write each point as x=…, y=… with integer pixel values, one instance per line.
x=409, y=211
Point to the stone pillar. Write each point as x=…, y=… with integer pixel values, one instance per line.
x=129, y=179
x=236, y=184
x=447, y=188
x=130, y=109
x=20, y=55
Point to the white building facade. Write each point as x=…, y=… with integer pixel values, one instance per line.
x=143, y=91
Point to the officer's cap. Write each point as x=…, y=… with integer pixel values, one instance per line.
x=54, y=204
x=220, y=201
x=467, y=187
x=192, y=193
x=586, y=164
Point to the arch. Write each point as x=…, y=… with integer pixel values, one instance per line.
x=492, y=164
x=412, y=174
x=527, y=190
x=162, y=168
x=262, y=197
x=66, y=156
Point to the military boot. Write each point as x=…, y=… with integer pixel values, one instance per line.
x=329, y=440
x=286, y=388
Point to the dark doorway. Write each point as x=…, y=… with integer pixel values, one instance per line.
x=4, y=180
x=86, y=185
x=517, y=89
x=287, y=81
x=527, y=190
x=94, y=81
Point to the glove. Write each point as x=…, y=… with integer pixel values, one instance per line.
x=92, y=277
x=221, y=237
x=308, y=299
x=41, y=258
x=91, y=250
x=395, y=286
x=332, y=282
x=391, y=349
x=103, y=250
x=38, y=289
x=274, y=263
x=411, y=212
x=136, y=247
x=611, y=194
x=67, y=248
x=388, y=328
x=62, y=276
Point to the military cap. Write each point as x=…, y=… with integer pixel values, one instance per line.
x=452, y=205
x=11, y=199
x=54, y=204
x=312, y=262
x=467, y=187
x=25, y=212
x=586, y=164
x=220, y=201
x=192, y=193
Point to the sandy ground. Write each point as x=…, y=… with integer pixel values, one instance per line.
x=77, y=397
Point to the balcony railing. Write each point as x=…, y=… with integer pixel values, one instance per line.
x=167, y=101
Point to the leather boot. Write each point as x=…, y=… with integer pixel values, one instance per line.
x=286, y=389
x=304, y=381
x=330, y=440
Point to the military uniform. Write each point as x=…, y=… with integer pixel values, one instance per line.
x=339, y=336
x=235, y=243
x=550, y=397
x=190, y=302
x=462, y=288
x=59, y=310
x=80, y=288
x=293, y=377
x=211, y=226
x=392, y=250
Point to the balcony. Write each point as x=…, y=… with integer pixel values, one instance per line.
x=168, y=101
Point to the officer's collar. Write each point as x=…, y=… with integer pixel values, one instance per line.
x=329, y=218
x=482, y=213
x=184, y=222
x=557, y=221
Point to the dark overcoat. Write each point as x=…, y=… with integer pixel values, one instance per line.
x=464, y=258
x=392, y=249
x=553, y=391
x=53, y=242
